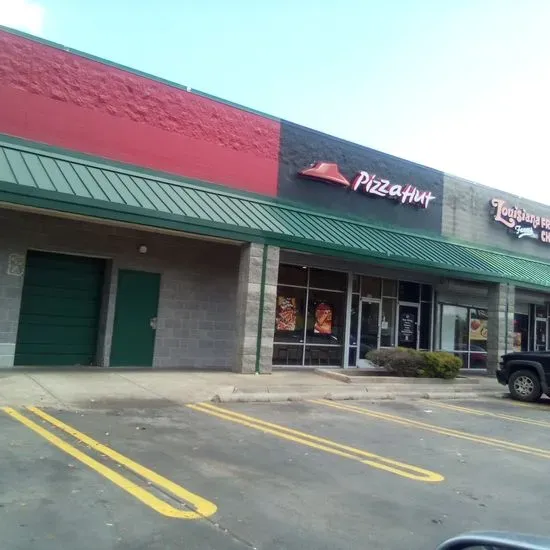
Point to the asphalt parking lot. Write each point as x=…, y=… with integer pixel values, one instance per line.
x=316, y=475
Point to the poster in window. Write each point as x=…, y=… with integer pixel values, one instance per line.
x=478, y=326
x=323, y=319
x=407, y=328
x=286, y=314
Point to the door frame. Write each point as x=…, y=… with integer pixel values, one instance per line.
x=116, y=274
x=360, y=361
x=545, y=321
x=415, y=305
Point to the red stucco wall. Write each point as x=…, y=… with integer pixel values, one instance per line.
x=59, y=98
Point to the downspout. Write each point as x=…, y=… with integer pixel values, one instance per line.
x=261, y=313
x=506, y=319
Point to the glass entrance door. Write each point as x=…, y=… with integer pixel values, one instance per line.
x=540, y=334
x=369, y=329
x=407, y=326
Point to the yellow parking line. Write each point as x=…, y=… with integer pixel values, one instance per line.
x=322, y=444
x=203, y=507
x=478, y=412
x=499, y=443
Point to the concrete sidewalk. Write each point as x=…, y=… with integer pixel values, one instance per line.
x=105, y=388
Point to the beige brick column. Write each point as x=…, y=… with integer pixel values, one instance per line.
x=500, y=324
x=256, y=302
x=12, y=274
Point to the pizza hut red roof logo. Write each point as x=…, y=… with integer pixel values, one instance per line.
x=325, y=171
x=370, y=184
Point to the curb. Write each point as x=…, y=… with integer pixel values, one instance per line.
x=264, y=397
x=374, y=377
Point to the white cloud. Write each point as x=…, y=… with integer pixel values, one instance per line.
x=23, y=15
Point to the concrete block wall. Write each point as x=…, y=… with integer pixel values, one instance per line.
x=270, y=306
x=196, y=315
x=500, y=323
x=248, y=308
x=12, y=264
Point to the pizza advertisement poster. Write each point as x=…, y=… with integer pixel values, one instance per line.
x=285, y=319
x=478, y=328
x=323, y=319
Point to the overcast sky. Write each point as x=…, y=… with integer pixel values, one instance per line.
x=459, y=85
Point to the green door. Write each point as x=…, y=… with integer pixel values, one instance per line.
x=60, y=305
x=134, y=328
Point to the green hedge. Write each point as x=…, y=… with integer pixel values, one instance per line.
x=409, y=362
x=441, y=364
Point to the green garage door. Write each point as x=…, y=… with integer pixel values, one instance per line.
x=60, y=306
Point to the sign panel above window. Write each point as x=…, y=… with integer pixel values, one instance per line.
x=521, y=223
x=369, y=184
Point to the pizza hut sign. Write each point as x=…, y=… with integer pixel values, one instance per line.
x=369, y=184
x=521, y=223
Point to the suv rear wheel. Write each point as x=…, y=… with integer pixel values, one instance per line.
x=524, y=385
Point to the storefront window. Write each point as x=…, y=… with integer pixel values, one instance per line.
x=354, y=325
x=292, y=275
x=540, y=335
x=371, y=287
x=454, y=331
x=309, y=321
x=325, y=317
x=330, y=280
x=323, y=356
x=478, y=329
x=478, y=339
x=387, y=323
x=426, y=293
x=389, y=288
x=284, y=354
x=393, y=313
x=407, y=326
x=311, y=317
x=290, y=314
x=370, y=315
x=355, y=283
x=425, y=325
x=464, y=331
x=409, y=292
x=541, y=328
x=521, y=332
x=454, y=328
x=352, y=357
x=354, y=321
x=540, y=312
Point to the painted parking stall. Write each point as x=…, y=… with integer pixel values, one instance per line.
x=201, y=508
x=322, y=444
x=439, y=429
x=290, y=474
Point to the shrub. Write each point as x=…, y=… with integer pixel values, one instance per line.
x=410, y=362
x=398, y=361
x=441, y=364
x=380, y=357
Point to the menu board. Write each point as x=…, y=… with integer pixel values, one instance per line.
x=285, y=319
x=323, y=319
x=407, y=328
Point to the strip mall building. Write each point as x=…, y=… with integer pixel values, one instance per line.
x=146, y=224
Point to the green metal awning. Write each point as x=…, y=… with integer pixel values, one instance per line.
x=39, y=177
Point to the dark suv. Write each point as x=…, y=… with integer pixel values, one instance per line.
x=526, y=373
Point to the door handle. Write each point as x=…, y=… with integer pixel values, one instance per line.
x=153, y=323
